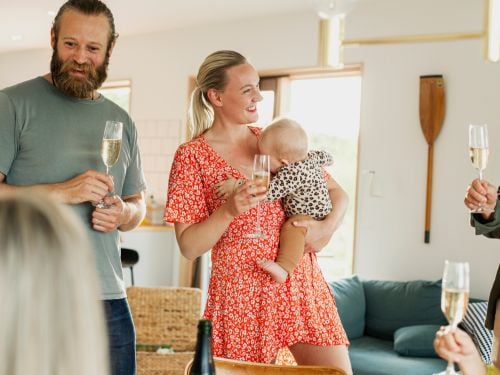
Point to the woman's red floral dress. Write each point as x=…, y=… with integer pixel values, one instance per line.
x=253, y=317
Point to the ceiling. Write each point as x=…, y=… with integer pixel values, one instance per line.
x=25, y=24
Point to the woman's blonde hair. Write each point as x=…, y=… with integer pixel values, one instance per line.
x=51, y=319
x=211, y=75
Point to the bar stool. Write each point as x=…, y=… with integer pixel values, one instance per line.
x=129, y=258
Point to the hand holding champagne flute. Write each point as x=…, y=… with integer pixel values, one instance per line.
x=260, y=177
x=478, y=147
x=110, y=148
x=454, y=297
x=479, y=152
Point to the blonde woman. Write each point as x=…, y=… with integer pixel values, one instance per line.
x=253, y=317
x=51, y=320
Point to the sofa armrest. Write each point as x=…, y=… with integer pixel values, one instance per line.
x=350, y=300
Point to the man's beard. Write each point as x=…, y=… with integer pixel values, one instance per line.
x=78, y=87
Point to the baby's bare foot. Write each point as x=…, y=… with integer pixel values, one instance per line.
x=274, y=269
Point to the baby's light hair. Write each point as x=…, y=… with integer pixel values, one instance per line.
x=287, y=138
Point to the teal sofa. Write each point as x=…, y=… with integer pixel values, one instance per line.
x=390, y=325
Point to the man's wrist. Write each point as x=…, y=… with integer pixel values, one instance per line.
x=56, y=192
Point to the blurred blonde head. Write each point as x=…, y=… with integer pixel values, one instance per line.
x=284, y=139
x=211, y=75
x=51, y=320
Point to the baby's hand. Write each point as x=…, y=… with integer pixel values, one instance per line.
x=226, y=187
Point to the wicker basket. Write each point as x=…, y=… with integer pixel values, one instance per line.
x=162, y=364
x=165, y=316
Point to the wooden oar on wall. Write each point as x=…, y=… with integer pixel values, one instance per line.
x=431, y=110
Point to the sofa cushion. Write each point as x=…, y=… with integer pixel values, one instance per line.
x=350, y=299
x=394, y=304
x=416, y=341
x=371, y=356
x=473, y=324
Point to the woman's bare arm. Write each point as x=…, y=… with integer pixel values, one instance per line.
x=196, y=239
x=319, y=233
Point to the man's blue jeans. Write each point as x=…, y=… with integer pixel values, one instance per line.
x=121, y=336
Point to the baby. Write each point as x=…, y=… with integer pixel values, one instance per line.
x=299, y=178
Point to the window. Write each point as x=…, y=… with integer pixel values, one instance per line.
x=328, y=107
x=118, y=92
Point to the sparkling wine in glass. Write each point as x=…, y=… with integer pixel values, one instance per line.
x=260, y=177
x=454, y=297
x=478, y=147
x=479, y=152
x=110, y=148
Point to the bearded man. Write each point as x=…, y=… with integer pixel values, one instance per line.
x=51, y=130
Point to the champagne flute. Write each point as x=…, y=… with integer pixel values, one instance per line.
x=454, y=298
x=260, y=177
x=110, y=149
x=479, y=152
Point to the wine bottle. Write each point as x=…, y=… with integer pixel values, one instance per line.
x=203, y=363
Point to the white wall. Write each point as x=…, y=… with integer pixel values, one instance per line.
x=390, y=229
x=18, y=66
x=158, y=257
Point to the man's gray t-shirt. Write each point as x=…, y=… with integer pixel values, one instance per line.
x=48, y=137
